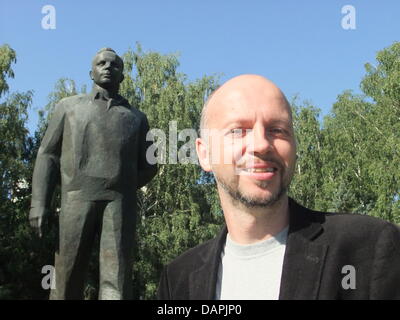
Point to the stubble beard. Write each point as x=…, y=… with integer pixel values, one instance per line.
x=238, y=197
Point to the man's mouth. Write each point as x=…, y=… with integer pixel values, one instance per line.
x=260, y=170
x=255, y=170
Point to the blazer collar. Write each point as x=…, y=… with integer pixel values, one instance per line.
x=304, y=259
x=203, y=281
x=302, y=266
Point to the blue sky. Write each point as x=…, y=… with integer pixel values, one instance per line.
x=300, y=45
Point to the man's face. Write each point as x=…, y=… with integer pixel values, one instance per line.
x=107, y=69
x=251, y=145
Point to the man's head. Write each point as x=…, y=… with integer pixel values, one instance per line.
x=107, y=69
x=247, y=141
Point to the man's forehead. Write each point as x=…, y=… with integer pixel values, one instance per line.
x=247, y=92
x=238, y=104
x=106, y=55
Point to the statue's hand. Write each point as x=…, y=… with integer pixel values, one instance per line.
x=36, y=216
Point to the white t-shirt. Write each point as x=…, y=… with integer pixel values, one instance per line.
x=251, y=272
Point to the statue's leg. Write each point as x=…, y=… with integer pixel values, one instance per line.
x=116, y=250
x=77, y=232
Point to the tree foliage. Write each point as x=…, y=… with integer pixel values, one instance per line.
x=15, y=239
x=349, y=162
x=174, y=212
x=356, y=167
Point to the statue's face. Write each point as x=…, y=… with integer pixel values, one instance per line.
x=107, y=70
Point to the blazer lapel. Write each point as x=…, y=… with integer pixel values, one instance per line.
x=302, y=266
x=203, y=281
x=304, y=259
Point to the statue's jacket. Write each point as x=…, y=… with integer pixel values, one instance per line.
x=95, y=146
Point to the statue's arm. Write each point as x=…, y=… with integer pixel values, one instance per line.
x=146, y=171
x=47, y=169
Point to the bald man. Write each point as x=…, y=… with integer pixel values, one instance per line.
x=272, y=247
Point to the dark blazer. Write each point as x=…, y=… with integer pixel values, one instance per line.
x=319, y=245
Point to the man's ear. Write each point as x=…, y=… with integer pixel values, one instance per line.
x=203, y=154
x=90, y=74
x=122, y=78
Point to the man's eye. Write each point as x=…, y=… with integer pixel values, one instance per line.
x=278, y=131
x=238, y=132
x=101, y=63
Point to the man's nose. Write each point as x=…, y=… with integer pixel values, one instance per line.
x=259, y=142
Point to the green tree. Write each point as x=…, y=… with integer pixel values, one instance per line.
x=360, y=144
x=347, y=180
x=382, y=84
x=349, y=162
x=22, y=254
x=307, y=183
x=16, y=245
x=175, y=211
x=7, y=58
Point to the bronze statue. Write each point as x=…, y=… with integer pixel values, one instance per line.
x=96, y=144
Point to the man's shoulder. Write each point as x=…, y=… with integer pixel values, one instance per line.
x=349, y=220
x=138, y=112
x=334, y=219
x=71, y=101
x=191, y=258
x=65, y=104
x=354, y=226
x=134, y=109
x=74, y=99
x=194, y=253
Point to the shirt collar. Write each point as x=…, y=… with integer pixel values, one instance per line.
x=256, y=249
x=98, y=93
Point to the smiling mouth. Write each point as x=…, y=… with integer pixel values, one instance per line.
x=256, y=170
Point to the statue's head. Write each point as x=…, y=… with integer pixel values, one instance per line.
x=107, y=69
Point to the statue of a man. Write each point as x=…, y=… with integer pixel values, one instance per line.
x=97, y=144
